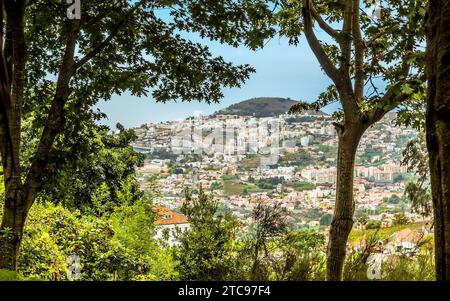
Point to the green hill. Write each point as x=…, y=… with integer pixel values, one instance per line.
x=260, y=107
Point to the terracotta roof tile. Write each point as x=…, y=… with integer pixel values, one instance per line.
x=168, y=217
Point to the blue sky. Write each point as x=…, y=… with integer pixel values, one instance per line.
x=281, y=71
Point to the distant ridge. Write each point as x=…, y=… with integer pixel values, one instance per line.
x=261, y=107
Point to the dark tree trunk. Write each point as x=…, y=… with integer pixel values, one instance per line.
x=12, y=80
x=11, y=229
x=20, y=195
x=438, y=128
x=342, y=223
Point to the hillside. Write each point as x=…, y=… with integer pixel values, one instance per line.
x=260, y=107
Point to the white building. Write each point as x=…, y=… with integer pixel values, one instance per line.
x=167, y=223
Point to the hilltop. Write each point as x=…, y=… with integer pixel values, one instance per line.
x=260, y=107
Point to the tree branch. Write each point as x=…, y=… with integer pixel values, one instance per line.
x=324, y=25
x=359, y=52
x=340, y=78
x=346, y=37
x=114, y=7
x=90, y=55
x=390, y=98
x=316, y=47
x=373, y=39
x=100, y=47
x=55, y=119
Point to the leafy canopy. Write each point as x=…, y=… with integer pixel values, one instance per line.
x=383, y=55
x=137, y=46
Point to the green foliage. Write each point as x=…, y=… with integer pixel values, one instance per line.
x=229, y=177
x=392, y=41
x=420, y=198
x=356, y=263
x=133, y=225
x=325, y=98
x=133, y=228
x=373, y=224
x=370, y=153
x=398, y=178
x=302, y=185
x=94, y=170
x=394, y=267
x=302, y=158
x=303, y=256
x=330, y=151
x=233, y=188
x=145, y=51
x=52, y=234
x=269, y=224
x=326, y=219
x=355, y=266
x=269, y=183
x=101, y=215
x=121, y=248
x=404, y=268
x=393, y=199
x=6, y=275
x=86, y=158
x=418, y=192
x=64, y=67
x=204, y=251
x=382, y=233
x=399, y=219
x=216, y=186
x=259, y=107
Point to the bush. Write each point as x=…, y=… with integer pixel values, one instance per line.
x=204, y=251
x=355, y=267
x=404, y=268
x=304, y=256
x=120, y=248
x=373, y=224
x=399, y=219
x=53, y=233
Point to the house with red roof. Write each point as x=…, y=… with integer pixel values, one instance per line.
x=168, y=223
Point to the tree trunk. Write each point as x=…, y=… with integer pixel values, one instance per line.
x=20, y=196
x=11, y=229
x=348, y=140
x=438, y=128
